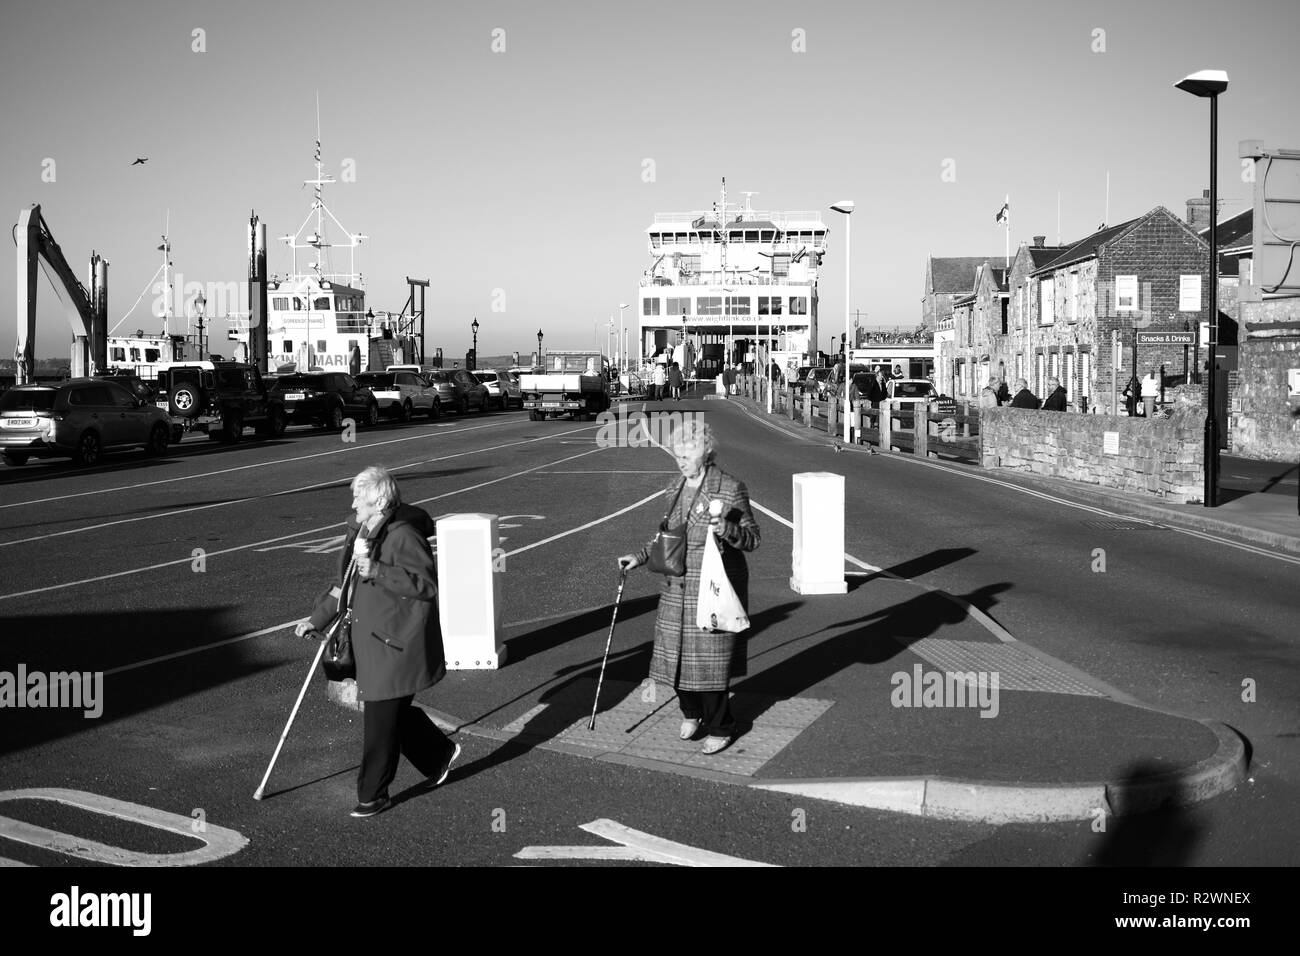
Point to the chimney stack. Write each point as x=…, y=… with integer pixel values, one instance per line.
x=1039, y=241
x=1198, y=211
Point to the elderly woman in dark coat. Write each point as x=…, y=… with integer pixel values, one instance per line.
x=699, y=664
x=396, y=636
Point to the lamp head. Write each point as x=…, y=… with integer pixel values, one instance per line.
x=845, y=206
x=474, y=325
x=1204, y=83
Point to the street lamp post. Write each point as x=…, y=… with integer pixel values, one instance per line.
x=846, y=207
x=540, y=361
x=474, y=350
x=200, y=305
x=622, y=338
x=1210, y=83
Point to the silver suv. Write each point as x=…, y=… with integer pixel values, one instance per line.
x=78, y=419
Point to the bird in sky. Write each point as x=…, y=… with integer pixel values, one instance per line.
x=140, y=162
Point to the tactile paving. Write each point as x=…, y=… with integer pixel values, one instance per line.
x=1016, y=670
x=636, y=721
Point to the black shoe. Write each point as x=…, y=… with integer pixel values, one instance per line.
x=372, y=808
x=446, y=769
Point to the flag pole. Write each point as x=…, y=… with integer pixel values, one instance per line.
x=1007, y=224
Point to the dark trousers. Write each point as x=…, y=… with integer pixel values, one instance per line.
x=712, y=708
x=392, y=728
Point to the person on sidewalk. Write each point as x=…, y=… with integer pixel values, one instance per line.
x=396, y=636
x=1132, y=392
x=699, y=664
x=1024, y=397
x=1150, y=392
x=876, y=391
x=1056, y=396
x=675, y=381
x=660, y=383
x=989, y=394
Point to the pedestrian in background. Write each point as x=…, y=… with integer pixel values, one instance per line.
x=1132, y=393
x=1150, y=392
x=675, y=381
x=1024, y=397
x=396, y=636
x=660, y=383
x=1057, y=398
x=699, y=664
x=989, y=394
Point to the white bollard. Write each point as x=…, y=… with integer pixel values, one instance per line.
x=469, y=592
x=818, y=564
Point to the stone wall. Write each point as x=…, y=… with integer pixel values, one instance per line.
x=1162, y=457
x=1264, y=421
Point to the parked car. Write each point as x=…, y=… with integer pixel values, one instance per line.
x=325, y=399
x=402, y=394
x=78, y=419
x=911, y=391
x=219, y=398
x=458, y=389
x=141, y=388
x=503, y=390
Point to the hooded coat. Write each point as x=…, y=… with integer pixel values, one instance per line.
x=396, y=634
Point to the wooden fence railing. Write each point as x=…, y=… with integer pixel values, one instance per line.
x=950, y=433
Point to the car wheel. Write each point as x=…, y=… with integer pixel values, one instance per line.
x=372, y=415
x=232, y=428
x=335, y=420
x=435, y=410
x=157, y=440
x=275, y=423
x=15, y=458
x=534, y=415
x=463, y=407
x=87, y=452
x=406, y=412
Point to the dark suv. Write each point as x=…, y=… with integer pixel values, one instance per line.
x=79, y=419
x=324, y=399
x=221, y=400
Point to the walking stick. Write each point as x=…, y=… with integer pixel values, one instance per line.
x=257, y=794
x=622, y=579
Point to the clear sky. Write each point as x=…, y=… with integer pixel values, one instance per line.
x=522, y=170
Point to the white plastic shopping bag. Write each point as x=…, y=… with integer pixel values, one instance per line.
x=720, y=385
x=718, y=607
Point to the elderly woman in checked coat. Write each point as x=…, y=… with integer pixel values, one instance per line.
x=699, y=664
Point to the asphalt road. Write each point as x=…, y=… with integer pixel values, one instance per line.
x=192, y=557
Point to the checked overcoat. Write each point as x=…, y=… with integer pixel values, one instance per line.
x=686, y=657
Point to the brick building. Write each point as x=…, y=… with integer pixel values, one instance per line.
x=946, y=280
x=1065, y=313
x=978, y=319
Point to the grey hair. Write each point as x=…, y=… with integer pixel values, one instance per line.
x=691, y=435
x=1022, y=383
x=375, y=484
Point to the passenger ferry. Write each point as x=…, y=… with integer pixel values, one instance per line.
x=731, y=285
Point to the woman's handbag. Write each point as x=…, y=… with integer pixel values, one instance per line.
x=668, y=549
x=338, y=661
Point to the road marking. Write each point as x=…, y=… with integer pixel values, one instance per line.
x=276, y=494
x=285, y=537
x=226, y=471
x=584, y=527
x=636, y=846
x=218, y=842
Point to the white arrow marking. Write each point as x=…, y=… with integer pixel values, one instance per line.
x=636, y=846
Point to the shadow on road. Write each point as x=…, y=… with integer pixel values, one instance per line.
x=1166, y=837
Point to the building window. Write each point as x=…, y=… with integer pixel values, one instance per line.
x=322, y=303
x=1040, y=374
x=650, y=306
x=1074, y=297
x=1005, y=304
x=1085, y=375
x=780, y=265
x=1126, y=293
x=119, y=354
x=135, y=355
x=708, y=305
x=654, y=240
x=1020, y=312
x=288, y=346
x=320, y=346
x=297, y=303
x=798, y=305
x=738, y=305
x=280, y=303
x=1054, y=363
x=1020, y=369
x=1047, y=302
x=1069, y=376
x=679, y=306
